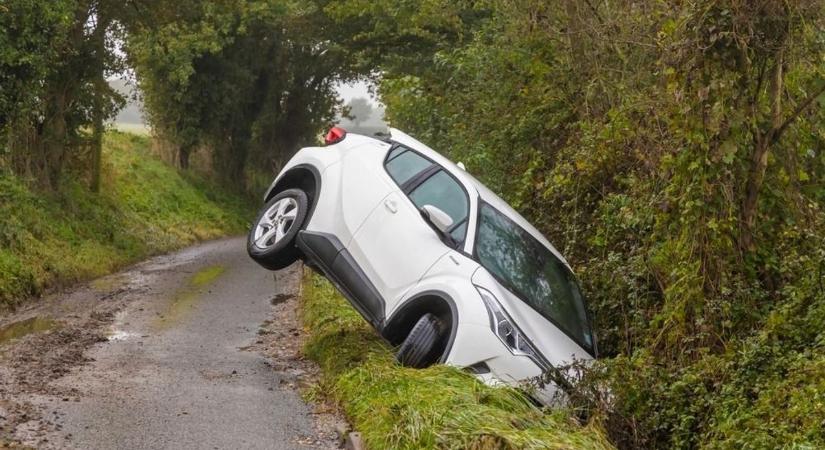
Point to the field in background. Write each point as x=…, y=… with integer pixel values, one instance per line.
x=145, y=207
x=133, y=128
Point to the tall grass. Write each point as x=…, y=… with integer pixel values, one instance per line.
x=440, y=407
x=145, y=207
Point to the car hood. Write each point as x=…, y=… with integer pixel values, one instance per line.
x=557, y=347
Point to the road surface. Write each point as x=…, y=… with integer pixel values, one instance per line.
x=198, y=349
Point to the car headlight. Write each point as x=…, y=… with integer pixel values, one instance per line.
x=505, y=328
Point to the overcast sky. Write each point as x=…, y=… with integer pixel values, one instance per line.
x=350, y=91
x=132, y=114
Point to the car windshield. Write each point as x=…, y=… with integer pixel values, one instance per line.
x=532, y=272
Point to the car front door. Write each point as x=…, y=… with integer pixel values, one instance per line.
x=395, y=246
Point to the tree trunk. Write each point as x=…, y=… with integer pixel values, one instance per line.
x=99, y=100
x=759, y=158
x=578, y=53
x=52, y=145
x=183, y=156
x=97, y=137
x=229, y=161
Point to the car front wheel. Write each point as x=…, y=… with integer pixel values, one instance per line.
x=271, y=242
x=422, y=346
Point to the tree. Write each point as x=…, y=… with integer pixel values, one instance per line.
x=360, y=110
x=673, y=150
x=249, y=81
x=54, y=62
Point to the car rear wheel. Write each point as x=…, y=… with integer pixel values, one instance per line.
x=422, y=346
x=271, y=242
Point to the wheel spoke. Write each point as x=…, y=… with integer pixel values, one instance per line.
x=261, y=242
x=291, y=214
x=263, y=227
x=279, y=231
x=283, y=206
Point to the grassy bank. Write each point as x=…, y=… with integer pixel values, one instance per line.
x=145, y=207
x=439, y=407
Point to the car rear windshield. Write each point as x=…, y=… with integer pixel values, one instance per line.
x=532, y=272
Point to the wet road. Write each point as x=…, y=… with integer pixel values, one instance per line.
x=179, y=369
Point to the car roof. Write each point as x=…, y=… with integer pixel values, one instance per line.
x=472, y=183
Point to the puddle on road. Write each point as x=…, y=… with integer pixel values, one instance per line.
x=116, y=331
x=120, y=335
x=26, y=327
x=109, y=283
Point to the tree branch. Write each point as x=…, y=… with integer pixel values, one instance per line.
x=777, y=132
x=595, y=11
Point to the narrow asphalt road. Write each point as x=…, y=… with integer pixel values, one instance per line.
x=183, y=361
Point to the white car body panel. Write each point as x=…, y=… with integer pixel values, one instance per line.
x=353, y=184
x=403, y=257
x=395, y=263
x=474, y=342
x=361, y=189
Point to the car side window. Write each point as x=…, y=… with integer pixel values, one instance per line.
x=443, y=191
x=404, y=164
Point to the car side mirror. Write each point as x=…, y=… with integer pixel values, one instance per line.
x=438, y=218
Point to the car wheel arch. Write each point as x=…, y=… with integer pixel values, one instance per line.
x=398, y=326
x=303, y=176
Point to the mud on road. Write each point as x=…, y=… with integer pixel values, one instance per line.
x=197, y=349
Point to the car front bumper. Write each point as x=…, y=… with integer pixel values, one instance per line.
x=478, y=348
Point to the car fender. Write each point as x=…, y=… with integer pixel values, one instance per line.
x=315, y=159
x=449, y=279
x=335, y=207
x=475, y=344
x=416, y=305
x=451, y=276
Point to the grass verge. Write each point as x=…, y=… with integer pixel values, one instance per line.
x=439, y=407
x=145, y=207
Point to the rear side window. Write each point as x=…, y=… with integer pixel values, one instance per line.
x=405, y=165
x=443, y=191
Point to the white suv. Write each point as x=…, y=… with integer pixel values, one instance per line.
x=441, y=266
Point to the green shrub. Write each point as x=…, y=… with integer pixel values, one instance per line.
x=635, y=136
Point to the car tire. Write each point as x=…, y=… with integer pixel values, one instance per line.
x=271, y=241
x=420, y=348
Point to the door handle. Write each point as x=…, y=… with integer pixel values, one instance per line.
x=391, y=205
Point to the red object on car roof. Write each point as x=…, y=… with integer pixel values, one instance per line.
x=335, y=135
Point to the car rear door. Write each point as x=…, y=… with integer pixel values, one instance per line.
x=361, y=186
x=395, y=246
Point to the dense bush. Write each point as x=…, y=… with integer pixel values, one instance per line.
x=672, y=151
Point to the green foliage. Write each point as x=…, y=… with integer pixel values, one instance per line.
x=248, y=81
x=145, y=208
x=439, y=407
x=54, y=60
x=32, y=34
x=672, y=151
